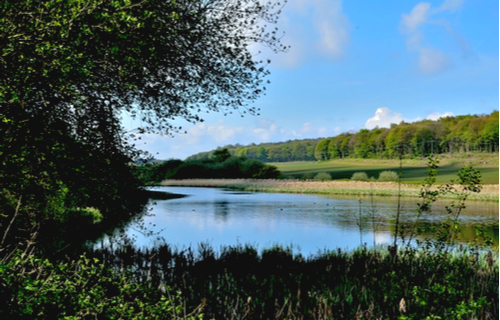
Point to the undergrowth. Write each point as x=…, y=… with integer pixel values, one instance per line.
x=241, y=283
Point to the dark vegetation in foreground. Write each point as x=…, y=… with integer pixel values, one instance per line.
x=240, y=283
x=222, y=166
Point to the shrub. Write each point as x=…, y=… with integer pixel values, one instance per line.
x=323, y=176
x=359, y=176
x=82, y=288
x=388, y=176
x=308, y=176
x=268, y=172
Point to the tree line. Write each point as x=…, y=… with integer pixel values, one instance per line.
x=222, y=166
x=466, y=133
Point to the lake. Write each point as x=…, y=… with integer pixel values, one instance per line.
x=308, y=223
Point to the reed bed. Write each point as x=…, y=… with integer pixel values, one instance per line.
x=242, y=283
x=363, y=188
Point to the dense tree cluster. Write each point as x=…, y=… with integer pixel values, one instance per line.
x=469, y=133
x=296, y=150
x=223, y=166
x=70, y=69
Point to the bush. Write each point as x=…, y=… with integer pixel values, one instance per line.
x=388, y=176
x=308, y=176
x=323, y=176
x=83, y=288
x=268, y=172
x=231, y=168
x=359, y=176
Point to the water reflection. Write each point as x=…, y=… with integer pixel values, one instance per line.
x=307, y=222
x=221, y=210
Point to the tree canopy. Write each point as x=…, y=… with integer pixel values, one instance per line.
x=83, y=61
x=70, y=68
x=467, y=133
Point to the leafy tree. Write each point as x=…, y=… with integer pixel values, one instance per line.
x=379, y=141
x=261, y=154
x=449, y=134
x=221, y=155
x=362, y=146
x=299, y=150
x=321, y=152
x=421, y=140
x=398, y=141
x=489, y=133
x=69, y=69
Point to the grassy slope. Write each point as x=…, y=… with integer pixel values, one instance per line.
x=413, y=170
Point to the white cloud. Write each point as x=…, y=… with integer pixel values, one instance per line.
x=208, y=136
x=417, y=16
x=218, y=132
x=333, y=27
x=383, y=118
x=329, y=37
x=308, y=130
x=430, y=60
x=437, y=115
x=450, y=5
x=265, y=130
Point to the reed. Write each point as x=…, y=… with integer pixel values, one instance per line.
x=239, y=282
x=364, y=188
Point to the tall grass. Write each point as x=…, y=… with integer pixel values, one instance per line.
x=240, y=283
x=355, y=188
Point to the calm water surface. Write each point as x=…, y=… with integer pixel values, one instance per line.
x=307, y=222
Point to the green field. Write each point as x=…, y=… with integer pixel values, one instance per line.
x=413, y=170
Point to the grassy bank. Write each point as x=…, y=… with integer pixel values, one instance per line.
x=488, y=193
x=241, y=283
x=413, y=170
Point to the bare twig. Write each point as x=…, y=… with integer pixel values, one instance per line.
x=12, y=221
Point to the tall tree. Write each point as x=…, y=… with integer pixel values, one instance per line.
x=321, y=152
x=70, y=68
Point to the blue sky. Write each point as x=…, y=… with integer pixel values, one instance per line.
x=359, y=64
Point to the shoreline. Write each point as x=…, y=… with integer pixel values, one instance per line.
x=490, y=192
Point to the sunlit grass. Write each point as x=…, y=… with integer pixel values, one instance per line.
x=413, y=170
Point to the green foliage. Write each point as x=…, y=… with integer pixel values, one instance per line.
x=268, y=172
x=388, y=176
x=92, y=215
x=230, y=168
x=321, y=153
x=323, y=176
x=447, y=231
x=472, y=133
x=154, y=59
x=237, y=281
x=359, y=176
x=46, y=174
x=82, y=288
x=221, y=155
x=70, y=69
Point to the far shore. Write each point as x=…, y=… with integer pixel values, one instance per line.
x=489, y=192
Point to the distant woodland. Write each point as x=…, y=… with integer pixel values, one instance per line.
x=467, y=133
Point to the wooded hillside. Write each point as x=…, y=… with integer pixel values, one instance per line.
x=467, y=133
